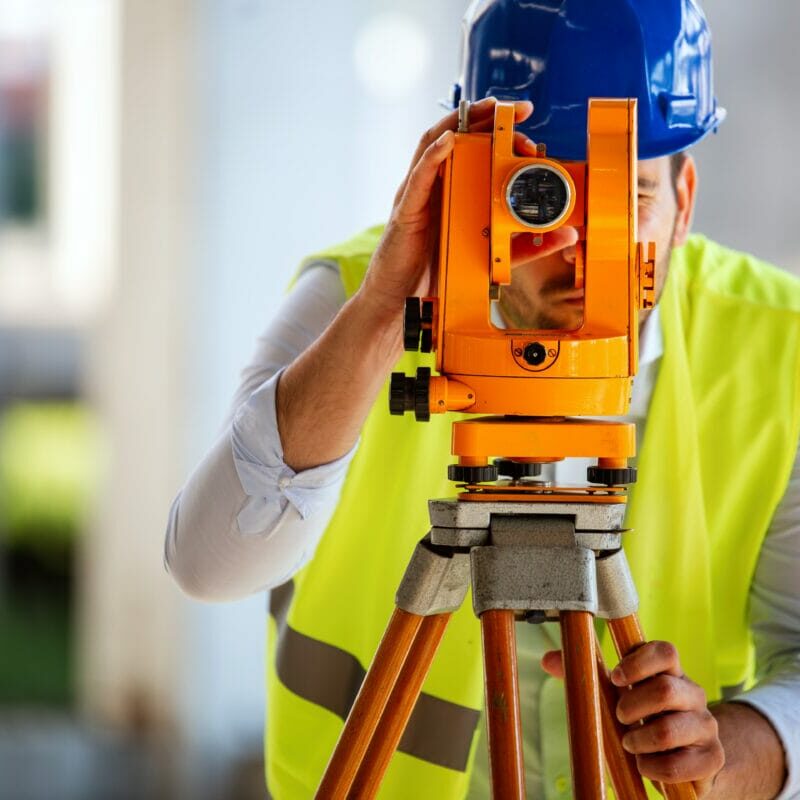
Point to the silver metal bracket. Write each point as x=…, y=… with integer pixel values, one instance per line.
x=616, y=592
x=546, y=557
x=452, y=513
x=533, y=579
x=435, y=581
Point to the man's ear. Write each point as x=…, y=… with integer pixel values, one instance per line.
x=685, y=195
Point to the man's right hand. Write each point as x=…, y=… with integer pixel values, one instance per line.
x=317, y=423
x=403, y=265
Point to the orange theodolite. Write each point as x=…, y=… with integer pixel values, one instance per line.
x=530, y=551
x=533, y=373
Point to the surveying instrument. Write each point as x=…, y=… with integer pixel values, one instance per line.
x=529, y=550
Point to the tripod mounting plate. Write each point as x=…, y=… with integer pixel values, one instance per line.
x=475, y=537
x=450, y=513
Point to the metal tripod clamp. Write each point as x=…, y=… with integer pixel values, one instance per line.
x=435, y=581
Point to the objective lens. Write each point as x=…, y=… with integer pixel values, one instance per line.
x=538, y=196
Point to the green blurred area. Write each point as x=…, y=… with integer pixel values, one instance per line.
x=49, y=465
x=35, y=640
x=50, y=462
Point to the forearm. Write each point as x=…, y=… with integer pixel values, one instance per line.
x=325, y=395
x=755, y=766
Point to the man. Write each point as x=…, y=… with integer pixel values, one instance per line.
x=714, y=509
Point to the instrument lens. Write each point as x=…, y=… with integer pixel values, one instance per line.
x=538, y=196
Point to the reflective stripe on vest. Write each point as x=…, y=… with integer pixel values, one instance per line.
x=438, y=731
x=720, y=441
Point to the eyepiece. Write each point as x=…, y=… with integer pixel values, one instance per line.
x=538, y=196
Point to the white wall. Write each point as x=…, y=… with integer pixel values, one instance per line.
x=293, y=153
x=749, y=172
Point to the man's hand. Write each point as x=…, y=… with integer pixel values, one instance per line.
x=678, y=742
x=403, y=265
x=364, y=341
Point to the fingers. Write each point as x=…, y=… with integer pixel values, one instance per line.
x=524, y=248
x=678, y=740
x=523, y=146
x=679, y=729
x=481, y=119
x=657, y=695
x=644, y=662
x=413, y=207
x=480, y=113
x=553, y=663
x=695, y=764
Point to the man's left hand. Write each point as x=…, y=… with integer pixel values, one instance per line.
x=678, y=740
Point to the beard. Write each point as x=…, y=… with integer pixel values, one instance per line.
x=545, y=311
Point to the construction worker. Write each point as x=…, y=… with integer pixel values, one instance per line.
x=316, y=493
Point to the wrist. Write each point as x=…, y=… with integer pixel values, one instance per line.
x=755, y=765
x=378, y=327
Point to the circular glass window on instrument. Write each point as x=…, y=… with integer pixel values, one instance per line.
x=538, y=196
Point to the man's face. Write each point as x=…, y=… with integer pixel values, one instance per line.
x=542, y=293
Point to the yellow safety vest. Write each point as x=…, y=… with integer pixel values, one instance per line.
x=719, y=445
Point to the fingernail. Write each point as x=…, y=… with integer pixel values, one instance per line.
x=626, y=744
x=618, y=676
x=443, y=138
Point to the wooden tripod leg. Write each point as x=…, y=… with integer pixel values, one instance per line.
x=369, y=705
x=627, y=635
x=583, y=704
x=625, y=778
x=398, y=710
x=503, y=724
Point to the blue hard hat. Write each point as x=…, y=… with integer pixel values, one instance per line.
x=559, y=53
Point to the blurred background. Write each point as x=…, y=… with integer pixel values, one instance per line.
x=164, y=165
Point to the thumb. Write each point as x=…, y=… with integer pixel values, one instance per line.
x=553, y=663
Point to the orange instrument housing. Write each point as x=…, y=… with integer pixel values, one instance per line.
x=529, y=374
x=587, y=371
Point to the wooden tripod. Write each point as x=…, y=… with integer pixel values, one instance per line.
x=514, y=535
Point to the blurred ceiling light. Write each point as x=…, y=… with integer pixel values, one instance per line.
x=25, y=19
x=392, y=53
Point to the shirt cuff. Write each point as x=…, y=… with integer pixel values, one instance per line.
x=267, y=480
x=778, y=699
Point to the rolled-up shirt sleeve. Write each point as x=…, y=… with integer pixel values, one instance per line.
x=268, y=481
x=245, y=521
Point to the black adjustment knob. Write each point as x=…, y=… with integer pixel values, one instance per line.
x=411, y=394
x=611, y=477
x=535, y=353
x=401, y=393
x=427, y=312
x=426, y=340
x=412, y=323
x=422, y=394
x=517, y=469
x=465, y=474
